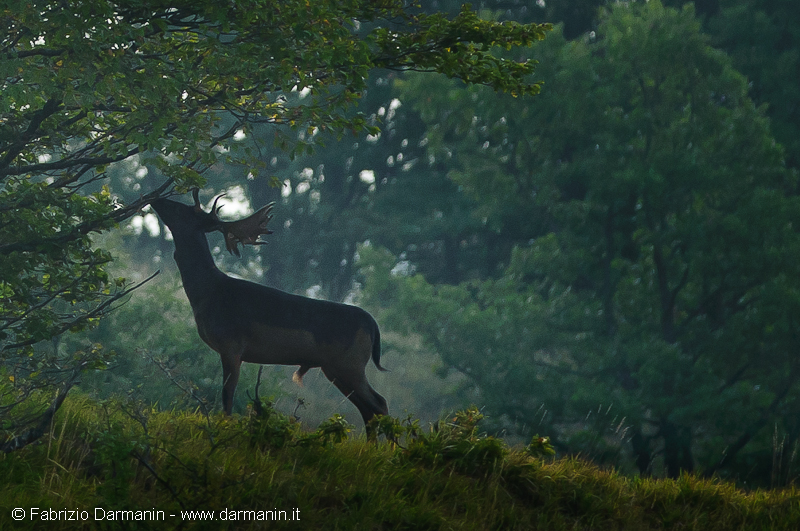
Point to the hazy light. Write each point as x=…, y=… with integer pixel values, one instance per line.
x=235, y=202
x=367, y=176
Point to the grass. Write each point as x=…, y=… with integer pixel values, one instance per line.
x=118, y=457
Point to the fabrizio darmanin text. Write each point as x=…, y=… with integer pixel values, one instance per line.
x=102, y=514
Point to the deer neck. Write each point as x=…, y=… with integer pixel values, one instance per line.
x=198, y=271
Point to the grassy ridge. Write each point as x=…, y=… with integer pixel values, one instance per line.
x=123, y=457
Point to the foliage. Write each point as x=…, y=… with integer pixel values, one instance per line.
x=185, y=468
x=654, y=257
x=458, y=442
x=413, y=209
x=762, y=39
x=455, y=443
x=540, y=446
x=271, y=429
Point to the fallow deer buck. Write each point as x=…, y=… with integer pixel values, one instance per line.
x=244, y=321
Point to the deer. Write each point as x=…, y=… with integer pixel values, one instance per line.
x=248, y=322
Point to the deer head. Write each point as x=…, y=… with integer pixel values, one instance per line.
x=244, y=231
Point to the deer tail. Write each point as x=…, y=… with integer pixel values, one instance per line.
x=376, y=348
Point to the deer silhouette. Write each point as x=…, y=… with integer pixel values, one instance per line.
x=247, y=322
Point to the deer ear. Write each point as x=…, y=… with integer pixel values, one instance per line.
x=247, y=230
x=196, y=195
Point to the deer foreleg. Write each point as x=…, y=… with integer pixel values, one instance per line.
x=230, y=378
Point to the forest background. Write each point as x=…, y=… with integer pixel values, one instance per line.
x=611, y=262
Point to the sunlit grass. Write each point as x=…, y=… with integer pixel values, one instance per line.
x=119, y=456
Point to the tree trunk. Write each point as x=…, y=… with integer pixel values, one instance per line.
x=677, y=449
x=641, y=449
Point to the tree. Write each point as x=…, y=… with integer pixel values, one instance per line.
x=331, y=208
x=762, y=39
x=89, y=85
x=653, y=261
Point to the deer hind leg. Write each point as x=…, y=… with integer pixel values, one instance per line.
x=230, y=378
x=358, y=390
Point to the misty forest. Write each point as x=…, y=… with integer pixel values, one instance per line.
x=580, y=218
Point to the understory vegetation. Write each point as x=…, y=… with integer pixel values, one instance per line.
x=105, y=458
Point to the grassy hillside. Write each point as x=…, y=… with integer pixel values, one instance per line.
x=123, y=466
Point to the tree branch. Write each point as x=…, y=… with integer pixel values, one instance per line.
x=98, y=310
x=33, y=434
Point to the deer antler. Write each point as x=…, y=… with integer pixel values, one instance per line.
x=214, y=212
x=247, y=230
x=244, y=231
x=214, y=208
